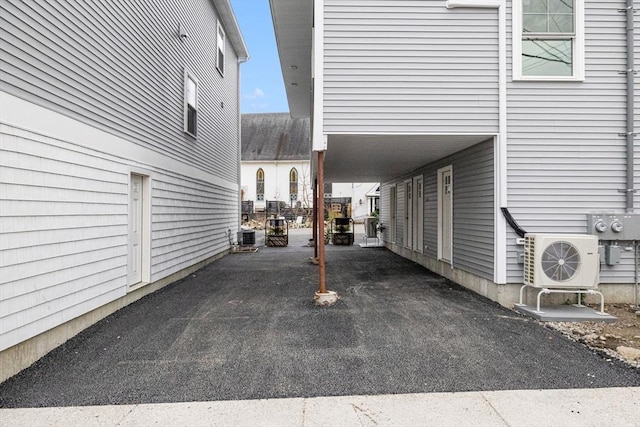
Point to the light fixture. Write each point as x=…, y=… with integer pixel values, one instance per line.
x=183, y=33
x=294, y=84
x=294, y=67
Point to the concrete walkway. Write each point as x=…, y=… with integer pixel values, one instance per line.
x=618, y=407
x=242, y=343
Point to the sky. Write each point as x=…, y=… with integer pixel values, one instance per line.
x=262, y=88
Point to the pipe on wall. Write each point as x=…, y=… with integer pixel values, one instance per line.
x=630, y=134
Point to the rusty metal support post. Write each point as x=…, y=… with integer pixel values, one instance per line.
x=315, y=219
x=322, y=288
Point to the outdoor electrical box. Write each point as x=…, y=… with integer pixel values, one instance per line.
x=614, y=226
x=611, y=254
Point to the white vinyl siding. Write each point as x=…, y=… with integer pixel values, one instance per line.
x=409, y=66
x=63, y=229
x=119, y=67
x=63, y=241
x=191, y=222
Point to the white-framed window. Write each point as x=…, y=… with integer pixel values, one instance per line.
x=220, y=49
x=548, y=40
x=190, y=104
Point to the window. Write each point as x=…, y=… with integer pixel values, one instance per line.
x=220, y=49
x=260, y=184
x=293, y=184
x=190, y=104
x=548, y=39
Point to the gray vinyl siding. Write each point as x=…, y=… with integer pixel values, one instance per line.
x=409, y=66
x=400, y=219
x=473, y=208
x=119, y=66
x=385, y=211
x=566, y=152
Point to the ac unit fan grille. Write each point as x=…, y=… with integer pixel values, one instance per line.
x=560, y=261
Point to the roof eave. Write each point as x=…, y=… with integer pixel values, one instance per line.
x=232, y=29
x=293, y=22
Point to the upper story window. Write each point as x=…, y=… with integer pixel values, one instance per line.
x=260, y=184
x=548, y=39
x=190, y=104
x=220, y=49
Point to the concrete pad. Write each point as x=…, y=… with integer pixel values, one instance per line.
x=564, y=313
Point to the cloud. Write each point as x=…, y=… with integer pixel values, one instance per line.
x=257, y=107
x=257, y=93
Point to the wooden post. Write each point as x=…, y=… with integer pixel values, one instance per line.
x=322, y=288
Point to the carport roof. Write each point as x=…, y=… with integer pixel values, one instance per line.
x=351, y=157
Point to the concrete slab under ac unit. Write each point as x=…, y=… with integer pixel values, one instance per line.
x=564, y=313
x=372, y=244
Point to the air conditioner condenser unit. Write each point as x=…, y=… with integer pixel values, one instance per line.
x=563, y=261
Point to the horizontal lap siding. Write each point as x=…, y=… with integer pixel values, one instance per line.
x=119, y=66
x=191, y=221
x=565, y=155
x=63, y=246
x=473, y=208
x=409, y=66
x=63, y=240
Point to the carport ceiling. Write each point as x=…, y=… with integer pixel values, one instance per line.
x=378, y=158
x=293, y=22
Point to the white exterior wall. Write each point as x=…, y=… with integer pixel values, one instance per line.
x=358, y=192
x=276, y=181
x=91, y=94
x=64, y=222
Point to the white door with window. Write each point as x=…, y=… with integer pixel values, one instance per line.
x=445, y=214
x=135, y=230
x=418, y=214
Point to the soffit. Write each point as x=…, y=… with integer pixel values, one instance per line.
x=379, y=158
x=293, y=22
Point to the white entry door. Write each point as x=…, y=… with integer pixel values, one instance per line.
x=408, y=214
x=445, y=214
x=394, y=214
x=418, y=214
x=135, y=230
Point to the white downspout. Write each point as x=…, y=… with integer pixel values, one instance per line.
x=500, y=166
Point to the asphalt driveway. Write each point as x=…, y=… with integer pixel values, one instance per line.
x=245, y=327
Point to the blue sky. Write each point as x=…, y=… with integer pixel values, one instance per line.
x=262, y=88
